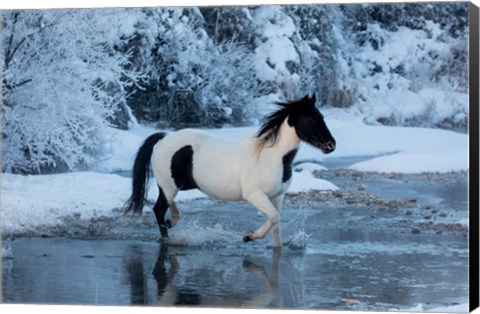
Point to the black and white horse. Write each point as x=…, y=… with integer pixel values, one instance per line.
x=257, y=168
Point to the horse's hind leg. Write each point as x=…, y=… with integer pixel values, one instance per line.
x=175, y=215
x=160, y=208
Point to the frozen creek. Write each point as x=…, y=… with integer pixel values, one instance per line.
x=381, y=242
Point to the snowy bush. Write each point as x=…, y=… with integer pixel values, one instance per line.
x=62, y=81
x=412, y=63
x=192, y=79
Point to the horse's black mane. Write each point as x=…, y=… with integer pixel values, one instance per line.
x=269, y=131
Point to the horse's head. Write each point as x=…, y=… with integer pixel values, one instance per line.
x=304, y=117
x=310, y=125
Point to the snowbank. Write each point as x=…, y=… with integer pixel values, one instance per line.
x=29, y=201
x=304, y=181
x=396, y=149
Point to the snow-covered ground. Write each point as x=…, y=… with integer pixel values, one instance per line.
x=29, y=201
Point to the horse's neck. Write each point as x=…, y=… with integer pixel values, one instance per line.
x=288, y=137
x=286, y=141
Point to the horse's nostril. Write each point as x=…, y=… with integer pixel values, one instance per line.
x=330, y=146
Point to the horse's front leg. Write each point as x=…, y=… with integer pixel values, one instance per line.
x=262, y=203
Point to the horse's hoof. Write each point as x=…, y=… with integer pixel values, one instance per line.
x=163, y=240
x=164, y=231
x=247, y=264
x=250, y=266
x=247, y=237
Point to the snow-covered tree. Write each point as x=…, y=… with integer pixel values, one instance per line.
x=225, y=24
x=62, y=83
x=276, y=58
x=194, y=80
x=324, y=54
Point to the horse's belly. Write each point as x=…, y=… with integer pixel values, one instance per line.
x=223, y=193
x=218, y=184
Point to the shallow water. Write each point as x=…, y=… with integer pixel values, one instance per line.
x=341, y=274
x=338, y=253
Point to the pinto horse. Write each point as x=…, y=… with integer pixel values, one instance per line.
x=257, y=168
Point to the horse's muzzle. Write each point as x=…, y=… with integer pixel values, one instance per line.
x=328, y=147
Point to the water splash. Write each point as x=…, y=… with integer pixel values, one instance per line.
x=294, y=230
x=196, y=234
x=7, y=249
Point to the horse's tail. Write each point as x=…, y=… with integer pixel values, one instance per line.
x=140, y=174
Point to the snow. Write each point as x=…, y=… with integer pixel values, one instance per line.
x=123, y=146
x=310, y=166
x=29, y=201
x=304, y=181
x=400, y=149
x=272, y=55
x=404, y=99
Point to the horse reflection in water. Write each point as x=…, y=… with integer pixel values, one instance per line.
x=171, y=292
x=171, y=295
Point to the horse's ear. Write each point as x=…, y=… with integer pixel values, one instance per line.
x=305, y=100
x=313, y=100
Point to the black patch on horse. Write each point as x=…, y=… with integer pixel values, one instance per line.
x=287, y=161
x=182, y=168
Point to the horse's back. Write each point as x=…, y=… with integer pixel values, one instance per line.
x=210, y=162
